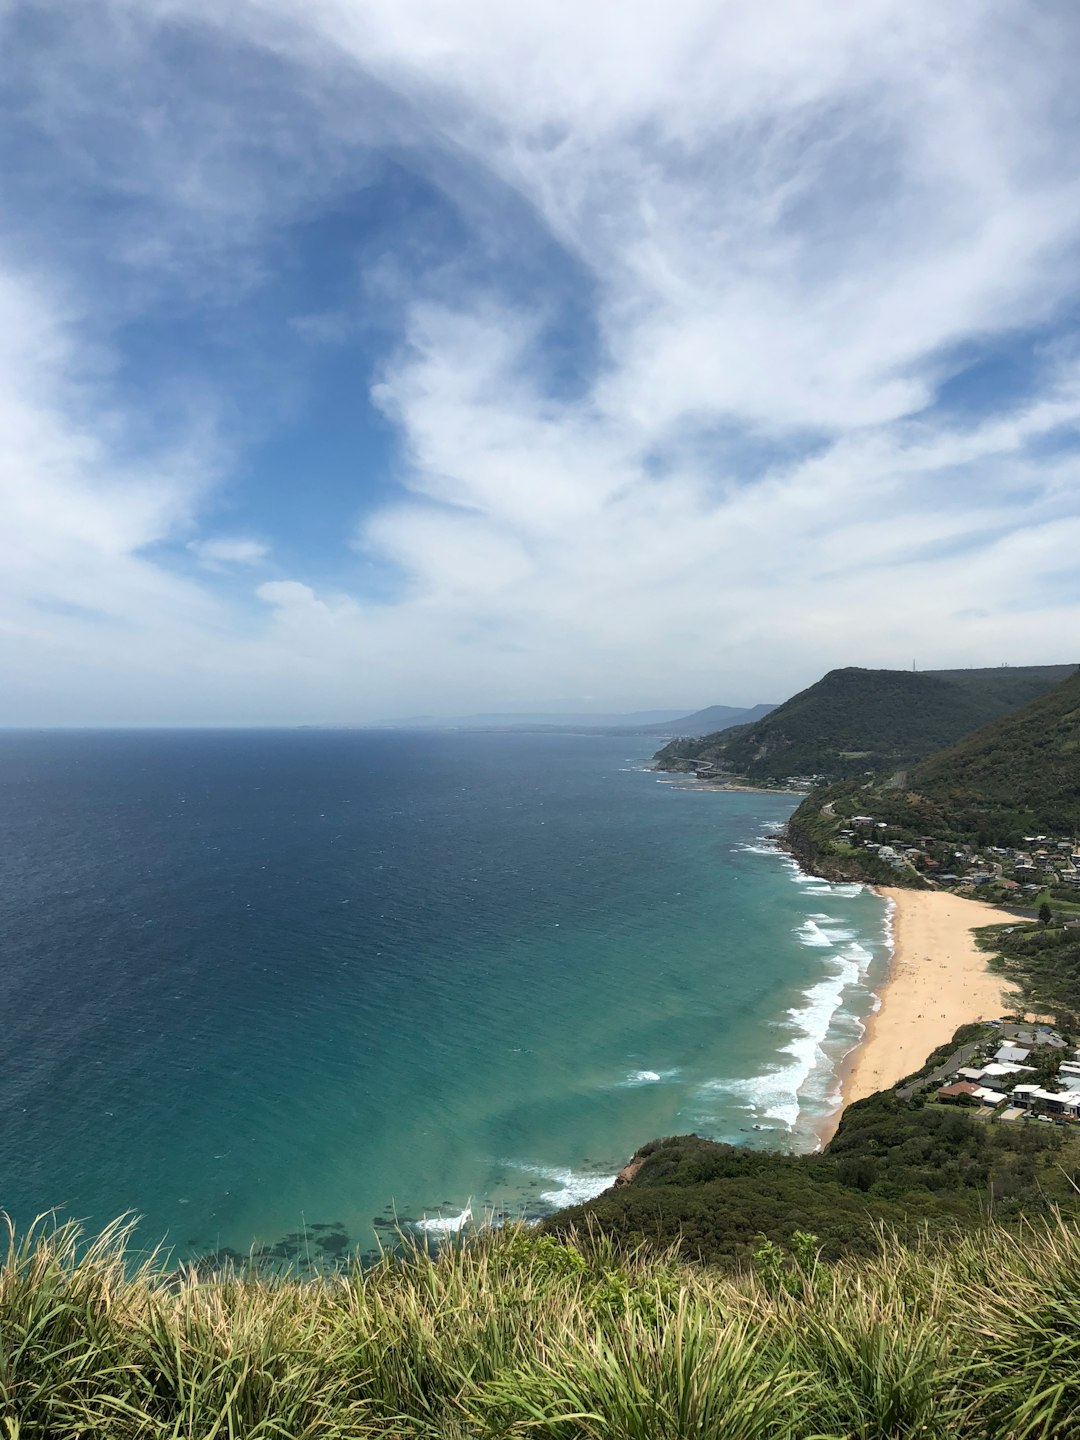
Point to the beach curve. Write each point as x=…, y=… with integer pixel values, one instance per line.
x=937, y=980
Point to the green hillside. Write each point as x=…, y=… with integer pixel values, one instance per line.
x=853, y=721
x=1017, y=776
x=960, y=817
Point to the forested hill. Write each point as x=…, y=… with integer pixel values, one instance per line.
x=964, y=816
x=853, y=721
x=1018, y=775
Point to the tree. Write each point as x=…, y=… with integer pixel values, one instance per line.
x=1047, y=1064
x=1045, y=914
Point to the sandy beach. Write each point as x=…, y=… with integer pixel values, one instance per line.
x=937, y=981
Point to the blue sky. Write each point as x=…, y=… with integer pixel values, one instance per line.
x=362, y=359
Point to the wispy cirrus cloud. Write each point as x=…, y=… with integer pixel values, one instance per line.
x=219, y=551
x=666, y=356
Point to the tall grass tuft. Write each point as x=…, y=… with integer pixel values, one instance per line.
x=517, y=1334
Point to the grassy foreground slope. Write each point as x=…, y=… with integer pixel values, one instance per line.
x=517, y=1335
x=852, y=721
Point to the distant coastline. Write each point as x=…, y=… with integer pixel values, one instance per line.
x=688, y=782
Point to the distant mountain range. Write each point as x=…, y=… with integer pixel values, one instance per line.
x=711, y=720
x=855, y=721
x=637, y=722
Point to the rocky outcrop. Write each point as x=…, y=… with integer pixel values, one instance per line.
x=627, y=1173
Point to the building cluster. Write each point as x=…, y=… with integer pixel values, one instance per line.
x=719, y=770
x=1007, y=1081
x=1041, y=861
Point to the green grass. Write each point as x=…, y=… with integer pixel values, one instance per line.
x=520, y=1335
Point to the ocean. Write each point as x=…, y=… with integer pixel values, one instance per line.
x=293, y=989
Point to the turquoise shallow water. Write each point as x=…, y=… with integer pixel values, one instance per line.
x=259, y=983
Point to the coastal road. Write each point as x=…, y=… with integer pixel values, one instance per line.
x=954, y=1062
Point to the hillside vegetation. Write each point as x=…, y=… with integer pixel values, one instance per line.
x=518, y=1336
x=1043, y=962
x=1018, y=774
x=853, y=721
x=1017, y=777
x=908, y=1165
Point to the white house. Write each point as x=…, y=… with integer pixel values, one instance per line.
x=1064, y=1102
x=1012, y=1055
x=994, y=1074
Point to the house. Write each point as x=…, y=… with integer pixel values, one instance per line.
x=1032, y=1036
x=977, y=1092
x=1013, y=1055
x=994, y=1075
x=1062, y=1102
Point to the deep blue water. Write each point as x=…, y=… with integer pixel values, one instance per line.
x=254, y=983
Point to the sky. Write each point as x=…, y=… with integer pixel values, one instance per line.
x=367, y=358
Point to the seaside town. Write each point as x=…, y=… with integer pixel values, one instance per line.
x=1041, y=863
x=1012, y=1072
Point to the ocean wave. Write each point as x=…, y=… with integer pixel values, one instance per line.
x=648, y=1077
x=637, y=1077
x=812, y=934
x=576, y=1189
x=821, y=1029
x=570, y=1187
x=777, y=1093
x=445, y=1225
x=815, y=885
x=820, y=936
x=888, y=924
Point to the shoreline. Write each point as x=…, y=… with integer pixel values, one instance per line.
x=689, y=782
x=937, y=980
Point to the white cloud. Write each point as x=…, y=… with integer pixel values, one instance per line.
x=787, y=220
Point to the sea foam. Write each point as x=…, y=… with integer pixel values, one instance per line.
x=648, y=1077
x=445, y=1225
x=569, y=1187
